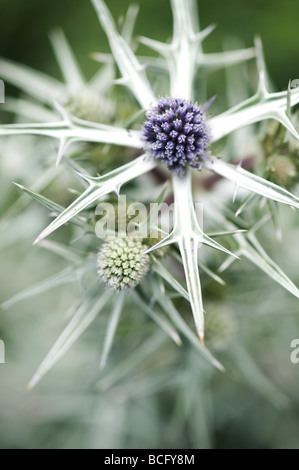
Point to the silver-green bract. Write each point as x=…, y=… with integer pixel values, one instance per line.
x=184, y=59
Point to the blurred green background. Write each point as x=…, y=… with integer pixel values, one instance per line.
x=169, y=400
x=25, y=25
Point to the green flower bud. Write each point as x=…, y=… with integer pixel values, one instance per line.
x=121, y=262
x=220, y=328
x=89, y=106
x=282, y=170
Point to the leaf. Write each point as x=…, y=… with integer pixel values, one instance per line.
x=182, y=326
x=253, y=251
x=188, y=248
x=161, y=322
x=247, y=180
x=160, y=269
x=67, y=62
x=90, y=132
x=151, y=221
x=102, y=80
x=63, y=251
x=168, y=240
x=216, y=60
x=31, y=111
x=111, y=328
x=210, y=273
x=204, y=268
x=273, y=209
x=129, y=23
x=133, y=73
x=189, y=236
x=43, y=180
x=255, y=109
x=139, y=354
x=185, y=24
x=99, y=187
x=15, y=230
x=225, y=233
x=181, y=54
x=257, y=379
x=37, y=84
x=70, y=274
x=56, y=208
x=184, y=48
x=251, y=199
x=84, y=316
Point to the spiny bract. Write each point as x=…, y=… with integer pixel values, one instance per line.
x=121, y=262
x=176, y=133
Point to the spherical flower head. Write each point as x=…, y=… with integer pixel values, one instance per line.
x=121, y=262
x=176, y=133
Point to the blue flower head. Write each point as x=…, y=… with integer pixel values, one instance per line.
x=176, y=133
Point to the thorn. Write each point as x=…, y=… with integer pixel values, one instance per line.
x=101, y=57
x=103, y=362
x=201, y=337
x=78, y=237
x=45, y=244
x=142, y=67
x=38, y=239
x=120, y=81
x=62, y=111
x=158, y=229
x=7, y=304
x=177, y=339
x=235, y=192
x=205, y=32
x=60, y=151
x=208, y=103
x=116, y=190
x=73, y=191
x=161, y=47
x=288, y=111
x=33, y=382
x=166, y=241
x=87, y=178
x=19, y=185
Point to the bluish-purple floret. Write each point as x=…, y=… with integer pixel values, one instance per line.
x=176, y=133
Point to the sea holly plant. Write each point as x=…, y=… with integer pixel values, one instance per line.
x=173, y=135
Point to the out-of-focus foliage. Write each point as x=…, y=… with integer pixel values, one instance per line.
x=153, y=394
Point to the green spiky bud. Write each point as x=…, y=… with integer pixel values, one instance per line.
x=220, y=328
x=89, y=106
x=121, y=262
x=282, y=170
